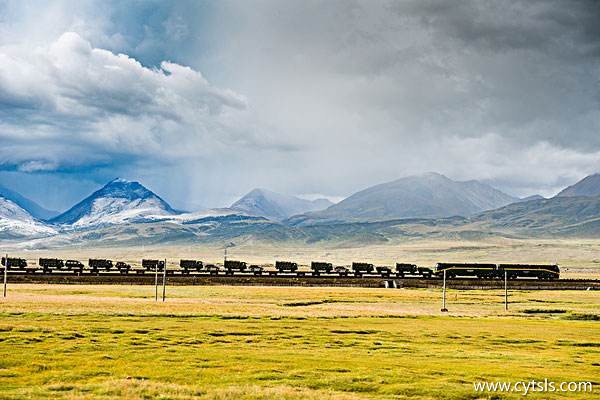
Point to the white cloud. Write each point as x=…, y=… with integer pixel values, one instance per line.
x=73, y=95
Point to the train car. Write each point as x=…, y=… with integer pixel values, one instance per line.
x=318, y=267
x=404, y=270
x=97, y=264
x=286, y=266
x=153, y=265
x=467, y=270
x=231, y=266
x=123, y=267
x=14, y=263
x=539, y=271
x=50, y=264
x=188, y=266
x=341, y=270
x=361, y=268
x=74, y=265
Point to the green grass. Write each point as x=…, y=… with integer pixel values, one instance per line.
x=249, y=343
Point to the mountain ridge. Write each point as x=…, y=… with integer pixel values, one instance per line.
x=588, y=186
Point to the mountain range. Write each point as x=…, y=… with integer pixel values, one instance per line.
x=429, y=205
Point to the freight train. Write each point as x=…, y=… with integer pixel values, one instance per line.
x=290, y=268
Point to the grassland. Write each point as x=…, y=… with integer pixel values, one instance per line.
x=79, y=342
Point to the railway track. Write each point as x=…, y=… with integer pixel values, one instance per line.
x=115, y=278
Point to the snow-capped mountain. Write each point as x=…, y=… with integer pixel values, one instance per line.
x=15, y=222
x=28, y=205
x=117, y=202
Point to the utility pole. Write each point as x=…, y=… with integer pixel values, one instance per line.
x=505, y=290
x=164, y=280
x=5, y=272
x=444, y=309
x=156, y=282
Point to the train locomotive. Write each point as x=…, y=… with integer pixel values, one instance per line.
x=497, y=271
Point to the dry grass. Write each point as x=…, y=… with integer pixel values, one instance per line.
x=258, y=301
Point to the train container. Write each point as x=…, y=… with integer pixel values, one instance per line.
x=467, y=270
x=318, y=267
x=539, y=271
x=50, y=264
x=361, y=268
x=14, y=263
x=286, y=266
x=231, y=266
x=188, y=266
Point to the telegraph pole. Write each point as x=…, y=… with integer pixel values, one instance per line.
x=164, y=280
x=444, y=309
x=5, y=272
x=156, y=282
x=505, y=290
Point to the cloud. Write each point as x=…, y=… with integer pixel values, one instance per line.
x=74, y=96
x=337, y=95
x=383, y=89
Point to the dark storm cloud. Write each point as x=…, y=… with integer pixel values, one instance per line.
x=501, y=26
x=500, y=91
x=338, y=95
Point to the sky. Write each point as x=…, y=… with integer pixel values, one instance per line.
x=202, y=101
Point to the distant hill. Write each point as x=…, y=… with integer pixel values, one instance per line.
x=276, y=206
x=570, y=216
x=117, y=202
x=28, y=205
x=588, y=186
x=430, y=195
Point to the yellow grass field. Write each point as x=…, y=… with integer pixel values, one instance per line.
x=108, y=342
